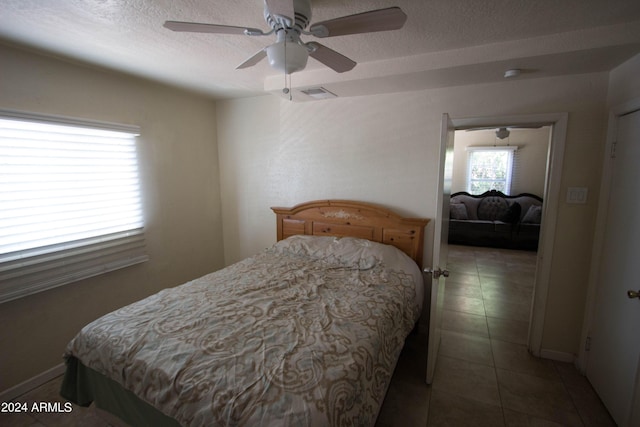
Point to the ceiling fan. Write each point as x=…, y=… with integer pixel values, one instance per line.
x=504, y=132
x=288, y=20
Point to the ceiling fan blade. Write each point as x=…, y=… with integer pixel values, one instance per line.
x=392, y=18
x=194, y=27
x=253, y=60
x=281, y=8
x=329, y=57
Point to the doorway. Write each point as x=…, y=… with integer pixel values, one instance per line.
x=495, y=257
x=551, y=196
x=474, y=367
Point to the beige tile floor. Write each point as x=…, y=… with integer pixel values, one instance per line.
x=484, y=375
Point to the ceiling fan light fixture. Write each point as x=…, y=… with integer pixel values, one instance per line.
x=514, y=72
x=502, y=133
x=287, y=57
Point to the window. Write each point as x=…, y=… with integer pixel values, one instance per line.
x=490, y=168
x=70, y=202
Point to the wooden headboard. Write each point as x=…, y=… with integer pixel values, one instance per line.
x=345, y=218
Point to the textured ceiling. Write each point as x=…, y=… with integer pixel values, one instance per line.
x=444, y=42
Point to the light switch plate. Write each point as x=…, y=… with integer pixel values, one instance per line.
x=577, y=195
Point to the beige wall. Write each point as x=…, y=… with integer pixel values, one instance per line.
x=384, y=149
x=180, y=176
x=624, y=84
x=251, y=132
x=381, y=148
x=531, y=157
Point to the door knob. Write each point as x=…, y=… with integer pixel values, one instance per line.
x=437, y=272
x=633, y=294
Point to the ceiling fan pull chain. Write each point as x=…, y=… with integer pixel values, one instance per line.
x=287, y=88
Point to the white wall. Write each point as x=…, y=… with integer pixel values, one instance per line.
x=384, y=149
x=252, y=131
x=624, y=83
x=178, y=156
x=315, y=151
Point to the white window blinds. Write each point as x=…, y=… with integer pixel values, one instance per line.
x=70, y=202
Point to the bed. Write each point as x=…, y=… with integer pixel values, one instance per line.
x=305, y=333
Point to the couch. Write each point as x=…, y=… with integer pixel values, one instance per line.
x=496, y=220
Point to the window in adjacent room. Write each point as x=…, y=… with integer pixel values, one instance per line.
x=70, y=201
x=490, y=168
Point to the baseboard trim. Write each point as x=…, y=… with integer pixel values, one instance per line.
x=31, y=383
x=559, y=356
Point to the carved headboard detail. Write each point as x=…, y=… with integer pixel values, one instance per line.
x=345, y=218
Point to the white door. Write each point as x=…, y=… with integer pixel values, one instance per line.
x=614, y=356
x=440, y=247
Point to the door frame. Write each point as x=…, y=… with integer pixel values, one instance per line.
x=601, y=222
x=440, y=245
x=558, y=123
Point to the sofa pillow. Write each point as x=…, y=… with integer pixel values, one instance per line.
x=458, y=211
x=492, y=208
x=533, y=215
x=512, y=215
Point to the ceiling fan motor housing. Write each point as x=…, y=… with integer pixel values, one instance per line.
x=302, y=12
x=288, y=54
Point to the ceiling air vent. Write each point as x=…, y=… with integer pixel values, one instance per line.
x=318, y=93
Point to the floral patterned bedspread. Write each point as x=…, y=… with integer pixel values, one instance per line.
x=306, y=333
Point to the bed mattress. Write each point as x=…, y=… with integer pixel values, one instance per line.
x=306, y=333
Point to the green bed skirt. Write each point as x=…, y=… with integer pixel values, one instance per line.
x=82, y=386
